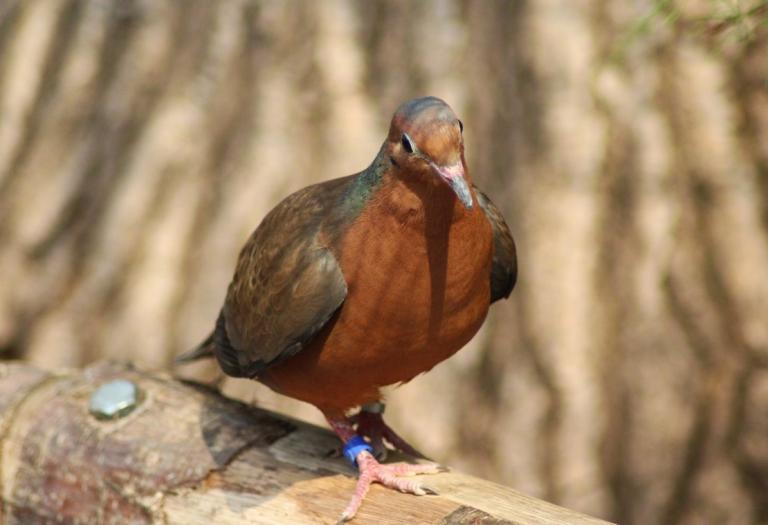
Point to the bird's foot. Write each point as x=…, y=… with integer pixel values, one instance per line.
x=392, y=475
x=370, y=424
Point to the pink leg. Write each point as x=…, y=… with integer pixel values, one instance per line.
x=370, y=424
x=372, y=471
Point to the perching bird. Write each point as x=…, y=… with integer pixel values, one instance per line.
x=368, y=280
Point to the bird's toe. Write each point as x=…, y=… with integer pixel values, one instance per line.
x=409, y=469
x=396, y=476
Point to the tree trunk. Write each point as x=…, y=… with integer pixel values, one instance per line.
x=141, y=141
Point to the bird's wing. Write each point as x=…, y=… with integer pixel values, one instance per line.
x=504, y=268
x=286, y=287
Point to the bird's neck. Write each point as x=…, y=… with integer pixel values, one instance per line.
x=419, y=202
x=414, y=202
x=422, y=202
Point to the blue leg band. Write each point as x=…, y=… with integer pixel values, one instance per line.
x=353, y=447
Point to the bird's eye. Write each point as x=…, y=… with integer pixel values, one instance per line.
x=461, y=126
x=406, y=142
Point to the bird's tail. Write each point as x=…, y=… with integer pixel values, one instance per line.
x=202, y=351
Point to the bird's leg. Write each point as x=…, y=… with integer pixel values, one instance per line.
x=370, y=424
x=360, y=453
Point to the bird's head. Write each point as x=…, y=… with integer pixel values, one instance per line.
x=425, y=140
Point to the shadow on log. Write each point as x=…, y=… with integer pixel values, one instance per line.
x=187, y=455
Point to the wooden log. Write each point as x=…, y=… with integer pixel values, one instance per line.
x=187, y=455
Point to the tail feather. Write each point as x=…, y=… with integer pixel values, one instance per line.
x=202, y=351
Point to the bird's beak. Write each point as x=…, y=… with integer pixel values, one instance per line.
x=453, y=175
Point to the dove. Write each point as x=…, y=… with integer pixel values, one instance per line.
x=365, y=281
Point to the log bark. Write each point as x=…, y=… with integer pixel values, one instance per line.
x=187, y=455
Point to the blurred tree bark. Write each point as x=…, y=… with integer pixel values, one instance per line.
x=141, y=141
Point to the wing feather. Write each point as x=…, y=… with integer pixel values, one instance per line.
x=287, y=284
x=504, y=267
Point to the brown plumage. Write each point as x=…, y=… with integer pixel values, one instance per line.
x=368, y=280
